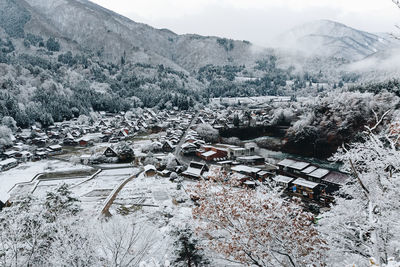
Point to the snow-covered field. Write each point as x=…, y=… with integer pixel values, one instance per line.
x=25, y=172
x=92, y=193
x=153, y=202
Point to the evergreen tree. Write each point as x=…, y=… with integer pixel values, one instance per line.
x=59, y=203
x=187, y=251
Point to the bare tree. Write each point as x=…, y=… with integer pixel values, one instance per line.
x=122, y=242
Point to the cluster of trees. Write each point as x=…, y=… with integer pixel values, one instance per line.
x=334, y=119
x=392, y=86
x=268, y=79
x=363, y=224
x=207, y=133
x=255, y=227
x=54, y=232
x=227, y=44
x=46, y=87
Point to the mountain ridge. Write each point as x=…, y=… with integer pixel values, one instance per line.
x=333, y=39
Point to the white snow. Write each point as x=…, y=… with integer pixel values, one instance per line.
x=25, y=172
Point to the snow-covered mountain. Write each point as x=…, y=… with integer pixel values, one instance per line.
x=93, y=28
x=333, y=39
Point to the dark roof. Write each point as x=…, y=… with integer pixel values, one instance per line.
x=336, y=178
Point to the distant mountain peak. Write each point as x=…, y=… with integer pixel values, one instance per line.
x=333, y=39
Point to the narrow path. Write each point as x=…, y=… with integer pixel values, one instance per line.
x=113, y=195
x=177, y=152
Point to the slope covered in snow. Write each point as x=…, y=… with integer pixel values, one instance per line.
x=333, y=39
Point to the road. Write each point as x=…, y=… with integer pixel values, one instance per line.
x=177, y=152
x=111, y=198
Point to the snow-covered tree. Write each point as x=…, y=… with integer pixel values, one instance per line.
x=364, y=224
x=5, y=136
x=122, y=243
x=256, y=227
x=188, y=252
x=9, y=122
x=207, y=133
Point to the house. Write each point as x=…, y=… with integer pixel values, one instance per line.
x=8, y=164
x=235, y=152
x=283, y=181
x=251, y=160
x=246, y=170
x=123, y=133
x=40, y=154
x=195, y=170
x=293, y=167
x=55, y=149
x=165, y=173
x=168, y=146
x=109, y=152
x=188, y=148
x=83, y=142
x=23, y=155
x=69, y=140
x=150, y=170
x=210, y=153
x=10, y=153
x=317, y=175
x=306, y=189
x=334, y=181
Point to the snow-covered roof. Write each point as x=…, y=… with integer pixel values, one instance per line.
x=299, y=165
x=286, y=162
x=209, y=153
x=193, y=172
x=283, y=179
x=309, y=169
x=187, y=145
x=10, y=153
x=305, y=183
x=254, y=157
x=8, y=161
x=319, y=173
x=149, y=167
x=336, y=178
x=55, y=147
x=243, y=168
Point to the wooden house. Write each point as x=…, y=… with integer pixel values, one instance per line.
x=306, y=189
x=109, y=152
x=150, y=170
x=168, y=146
x=8, y=164
x=195, y=170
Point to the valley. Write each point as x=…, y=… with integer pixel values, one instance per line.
x=122, y=144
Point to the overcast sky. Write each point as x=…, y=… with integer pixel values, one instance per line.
x=255, y=20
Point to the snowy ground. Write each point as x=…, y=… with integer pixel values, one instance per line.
x=152, y=200
x=158, y=208
x=92, y=193
x=25, y=172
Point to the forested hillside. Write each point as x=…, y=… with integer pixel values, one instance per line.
x=60, y=59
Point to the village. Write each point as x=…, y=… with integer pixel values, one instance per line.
x=98, y=157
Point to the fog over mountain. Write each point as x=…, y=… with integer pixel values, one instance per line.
x=74, y=45
x=332, y=39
